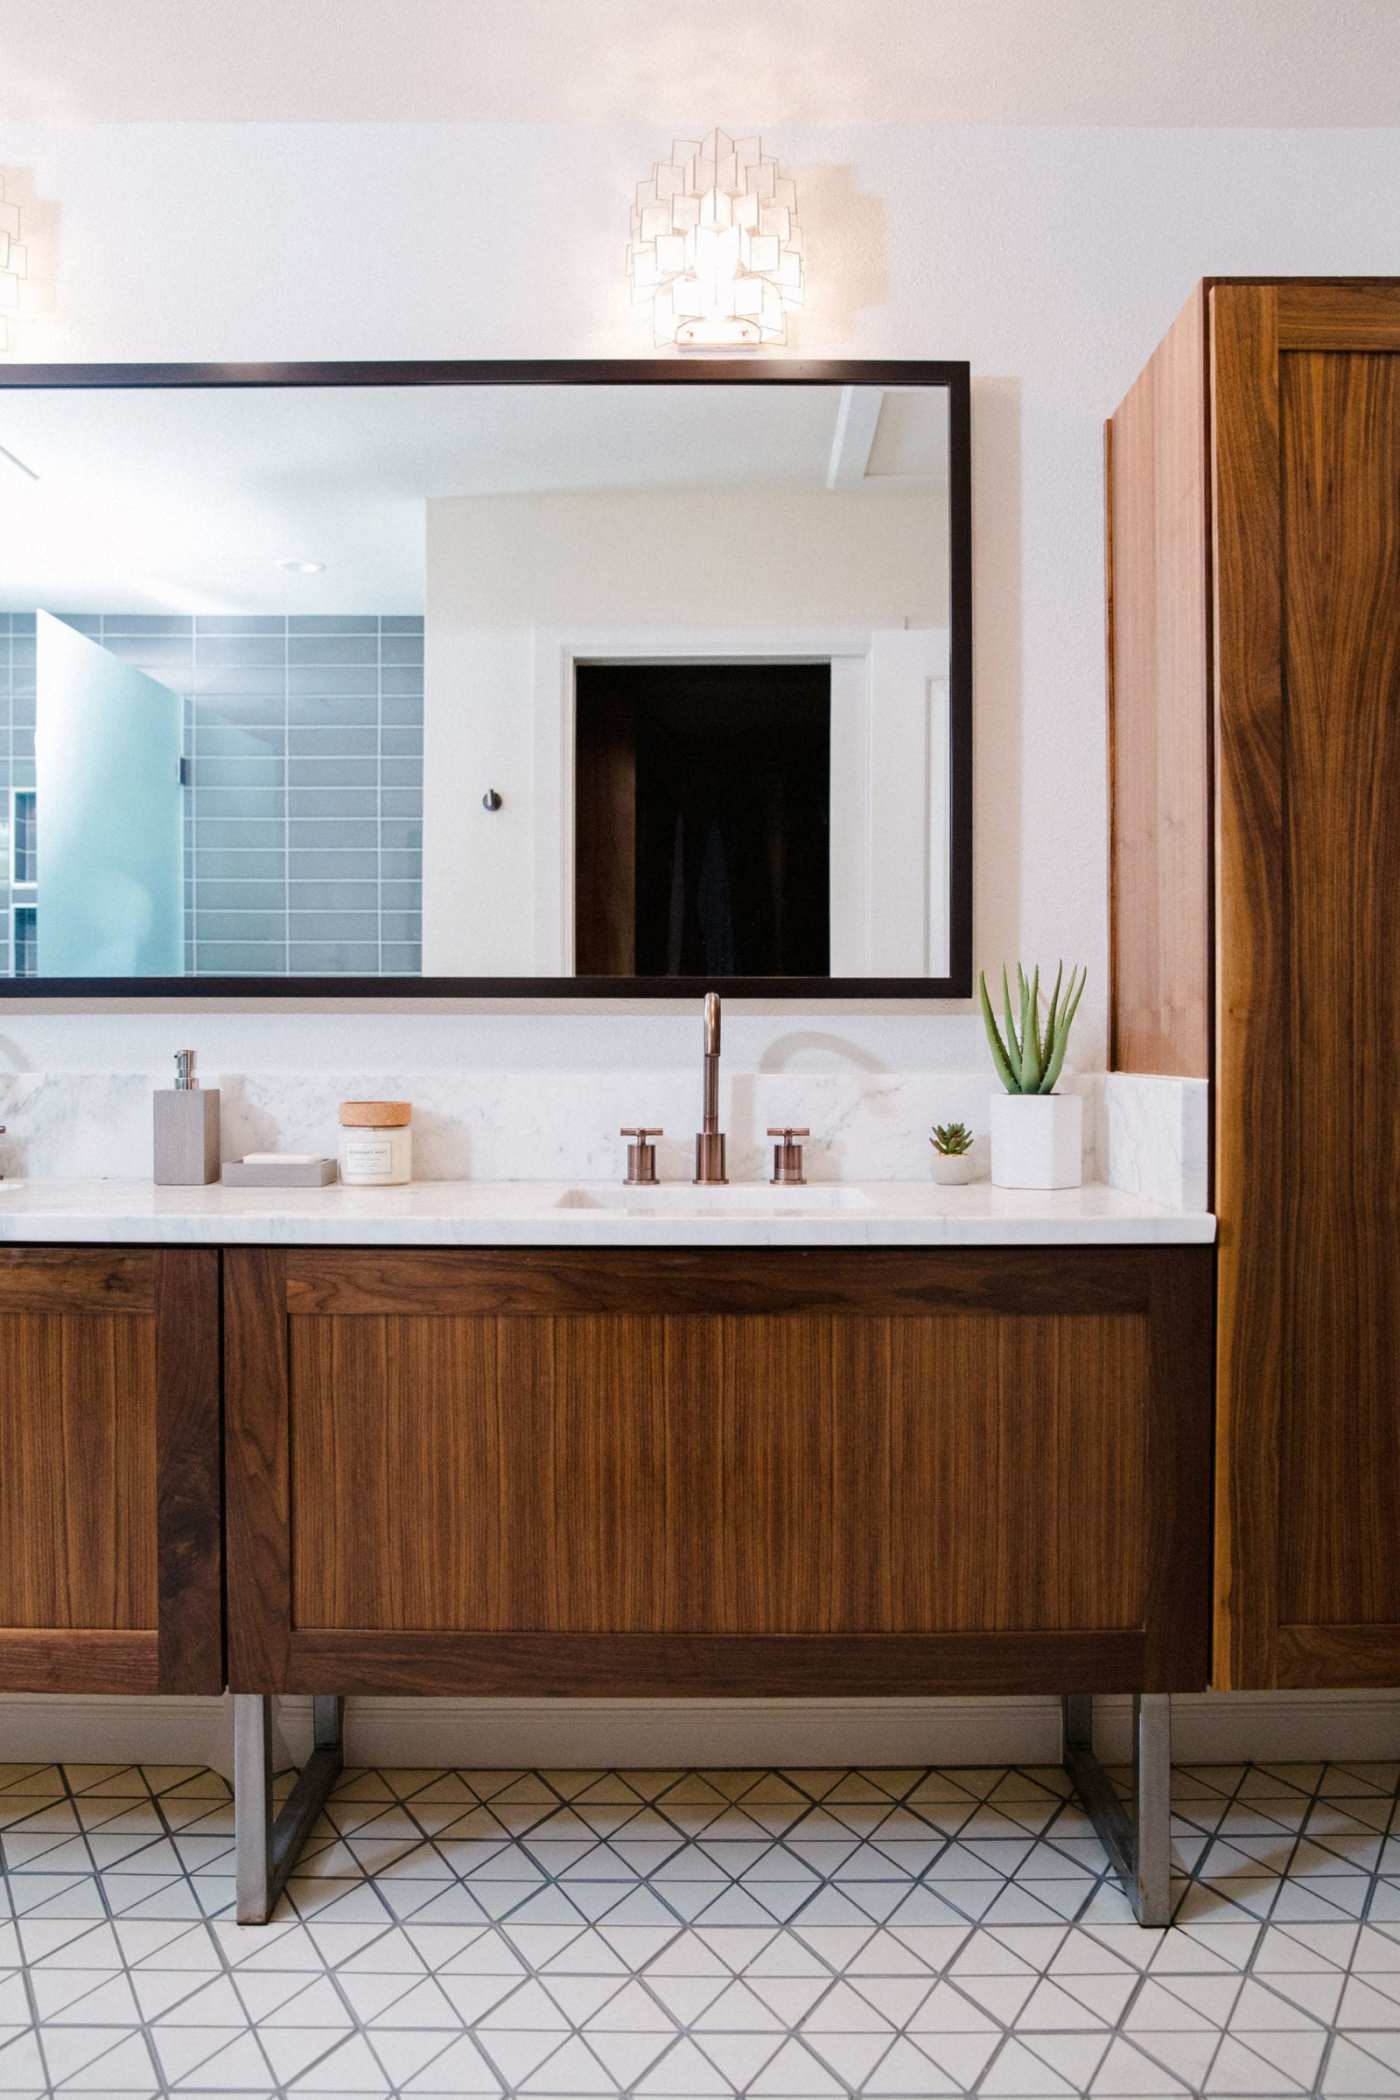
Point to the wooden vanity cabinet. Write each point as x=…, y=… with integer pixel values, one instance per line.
x=110, y=1547
x=718, y=1472
x=1254, y=655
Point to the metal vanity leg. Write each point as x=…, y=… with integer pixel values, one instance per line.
x=252, y=1804
x=267, y=1847
x=1139, y=1846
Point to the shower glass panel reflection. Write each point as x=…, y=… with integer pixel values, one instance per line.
x=108, y=813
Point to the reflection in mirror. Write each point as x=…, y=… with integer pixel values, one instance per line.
x=701, y=818
x=264, y=651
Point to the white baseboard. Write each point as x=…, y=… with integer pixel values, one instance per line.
x=1209, y=1728
x=84, y=1731
x=1213, y=1728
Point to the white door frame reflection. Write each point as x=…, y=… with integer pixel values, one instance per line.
x=889, y=779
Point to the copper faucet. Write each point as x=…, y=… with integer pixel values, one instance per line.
x=709, y=1140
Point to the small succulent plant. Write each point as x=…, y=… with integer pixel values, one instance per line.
x=951, y=1139
x=1028, y=1058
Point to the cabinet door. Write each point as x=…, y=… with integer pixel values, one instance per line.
x=1307, y=474
x=1157, y=572
x=617, y=1472
x=110, y=1571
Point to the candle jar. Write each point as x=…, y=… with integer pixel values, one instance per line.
x=376, y=1143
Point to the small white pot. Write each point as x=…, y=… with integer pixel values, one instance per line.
x=1037, y=1141
x=953, y=1169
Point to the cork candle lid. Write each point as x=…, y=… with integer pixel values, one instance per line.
x=376, y=1115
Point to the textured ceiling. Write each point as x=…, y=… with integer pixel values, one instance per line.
x=749, y=62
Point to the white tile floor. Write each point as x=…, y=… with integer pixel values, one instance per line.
x=795, y=1933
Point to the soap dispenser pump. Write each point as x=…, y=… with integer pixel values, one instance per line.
x=186, y=1129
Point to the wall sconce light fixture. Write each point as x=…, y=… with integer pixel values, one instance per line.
x=14, y=263
x=716, y=250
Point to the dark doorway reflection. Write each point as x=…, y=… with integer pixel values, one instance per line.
x=702, y=820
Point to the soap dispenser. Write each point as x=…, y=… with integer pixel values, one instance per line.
x=186, y=1129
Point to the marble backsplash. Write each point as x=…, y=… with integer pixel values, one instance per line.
x=1153, y=1138
x=1145, y=1135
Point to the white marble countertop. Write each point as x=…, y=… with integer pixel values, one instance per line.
x=543, y=1213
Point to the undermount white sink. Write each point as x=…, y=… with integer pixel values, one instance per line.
x=725, y=1200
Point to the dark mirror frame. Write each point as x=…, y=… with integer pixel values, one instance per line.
x=703, y=371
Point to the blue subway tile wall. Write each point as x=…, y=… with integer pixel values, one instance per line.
x=304, y=817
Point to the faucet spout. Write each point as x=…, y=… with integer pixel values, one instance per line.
x=710, y=1041
x=709, y=1141
x=711, y=1024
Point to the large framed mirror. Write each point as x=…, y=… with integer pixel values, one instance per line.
x=627, y=679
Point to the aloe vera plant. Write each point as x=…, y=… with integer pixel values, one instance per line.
x=951, y=1139
x=1028, y=1057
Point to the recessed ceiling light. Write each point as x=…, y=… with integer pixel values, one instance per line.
x=302, y=568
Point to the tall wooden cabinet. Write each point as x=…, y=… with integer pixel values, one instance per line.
x=1254, y=656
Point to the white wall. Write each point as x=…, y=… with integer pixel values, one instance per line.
x=712, y=557
x=500, y=567
x=1052, y=259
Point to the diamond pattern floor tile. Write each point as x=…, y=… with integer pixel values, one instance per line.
x=794, y=1934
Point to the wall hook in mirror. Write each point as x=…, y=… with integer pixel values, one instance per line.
x=491, y=800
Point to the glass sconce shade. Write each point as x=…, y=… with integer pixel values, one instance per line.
x=716, y=250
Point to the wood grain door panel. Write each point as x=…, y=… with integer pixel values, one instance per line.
x=1305, y=417
x=1251, y=974
x=1339, y=1462
x=538, y=1480
x=1157, y=486
x=782, y=1502
x=395, y=1472
x=78, y=1478
x=693, y=1477
x=1018, y=1456
x=110, y=1578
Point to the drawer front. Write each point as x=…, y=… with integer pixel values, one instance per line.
x=922, y=1463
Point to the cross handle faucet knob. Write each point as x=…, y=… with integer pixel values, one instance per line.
x=641, y=1153
x=788, y=1170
